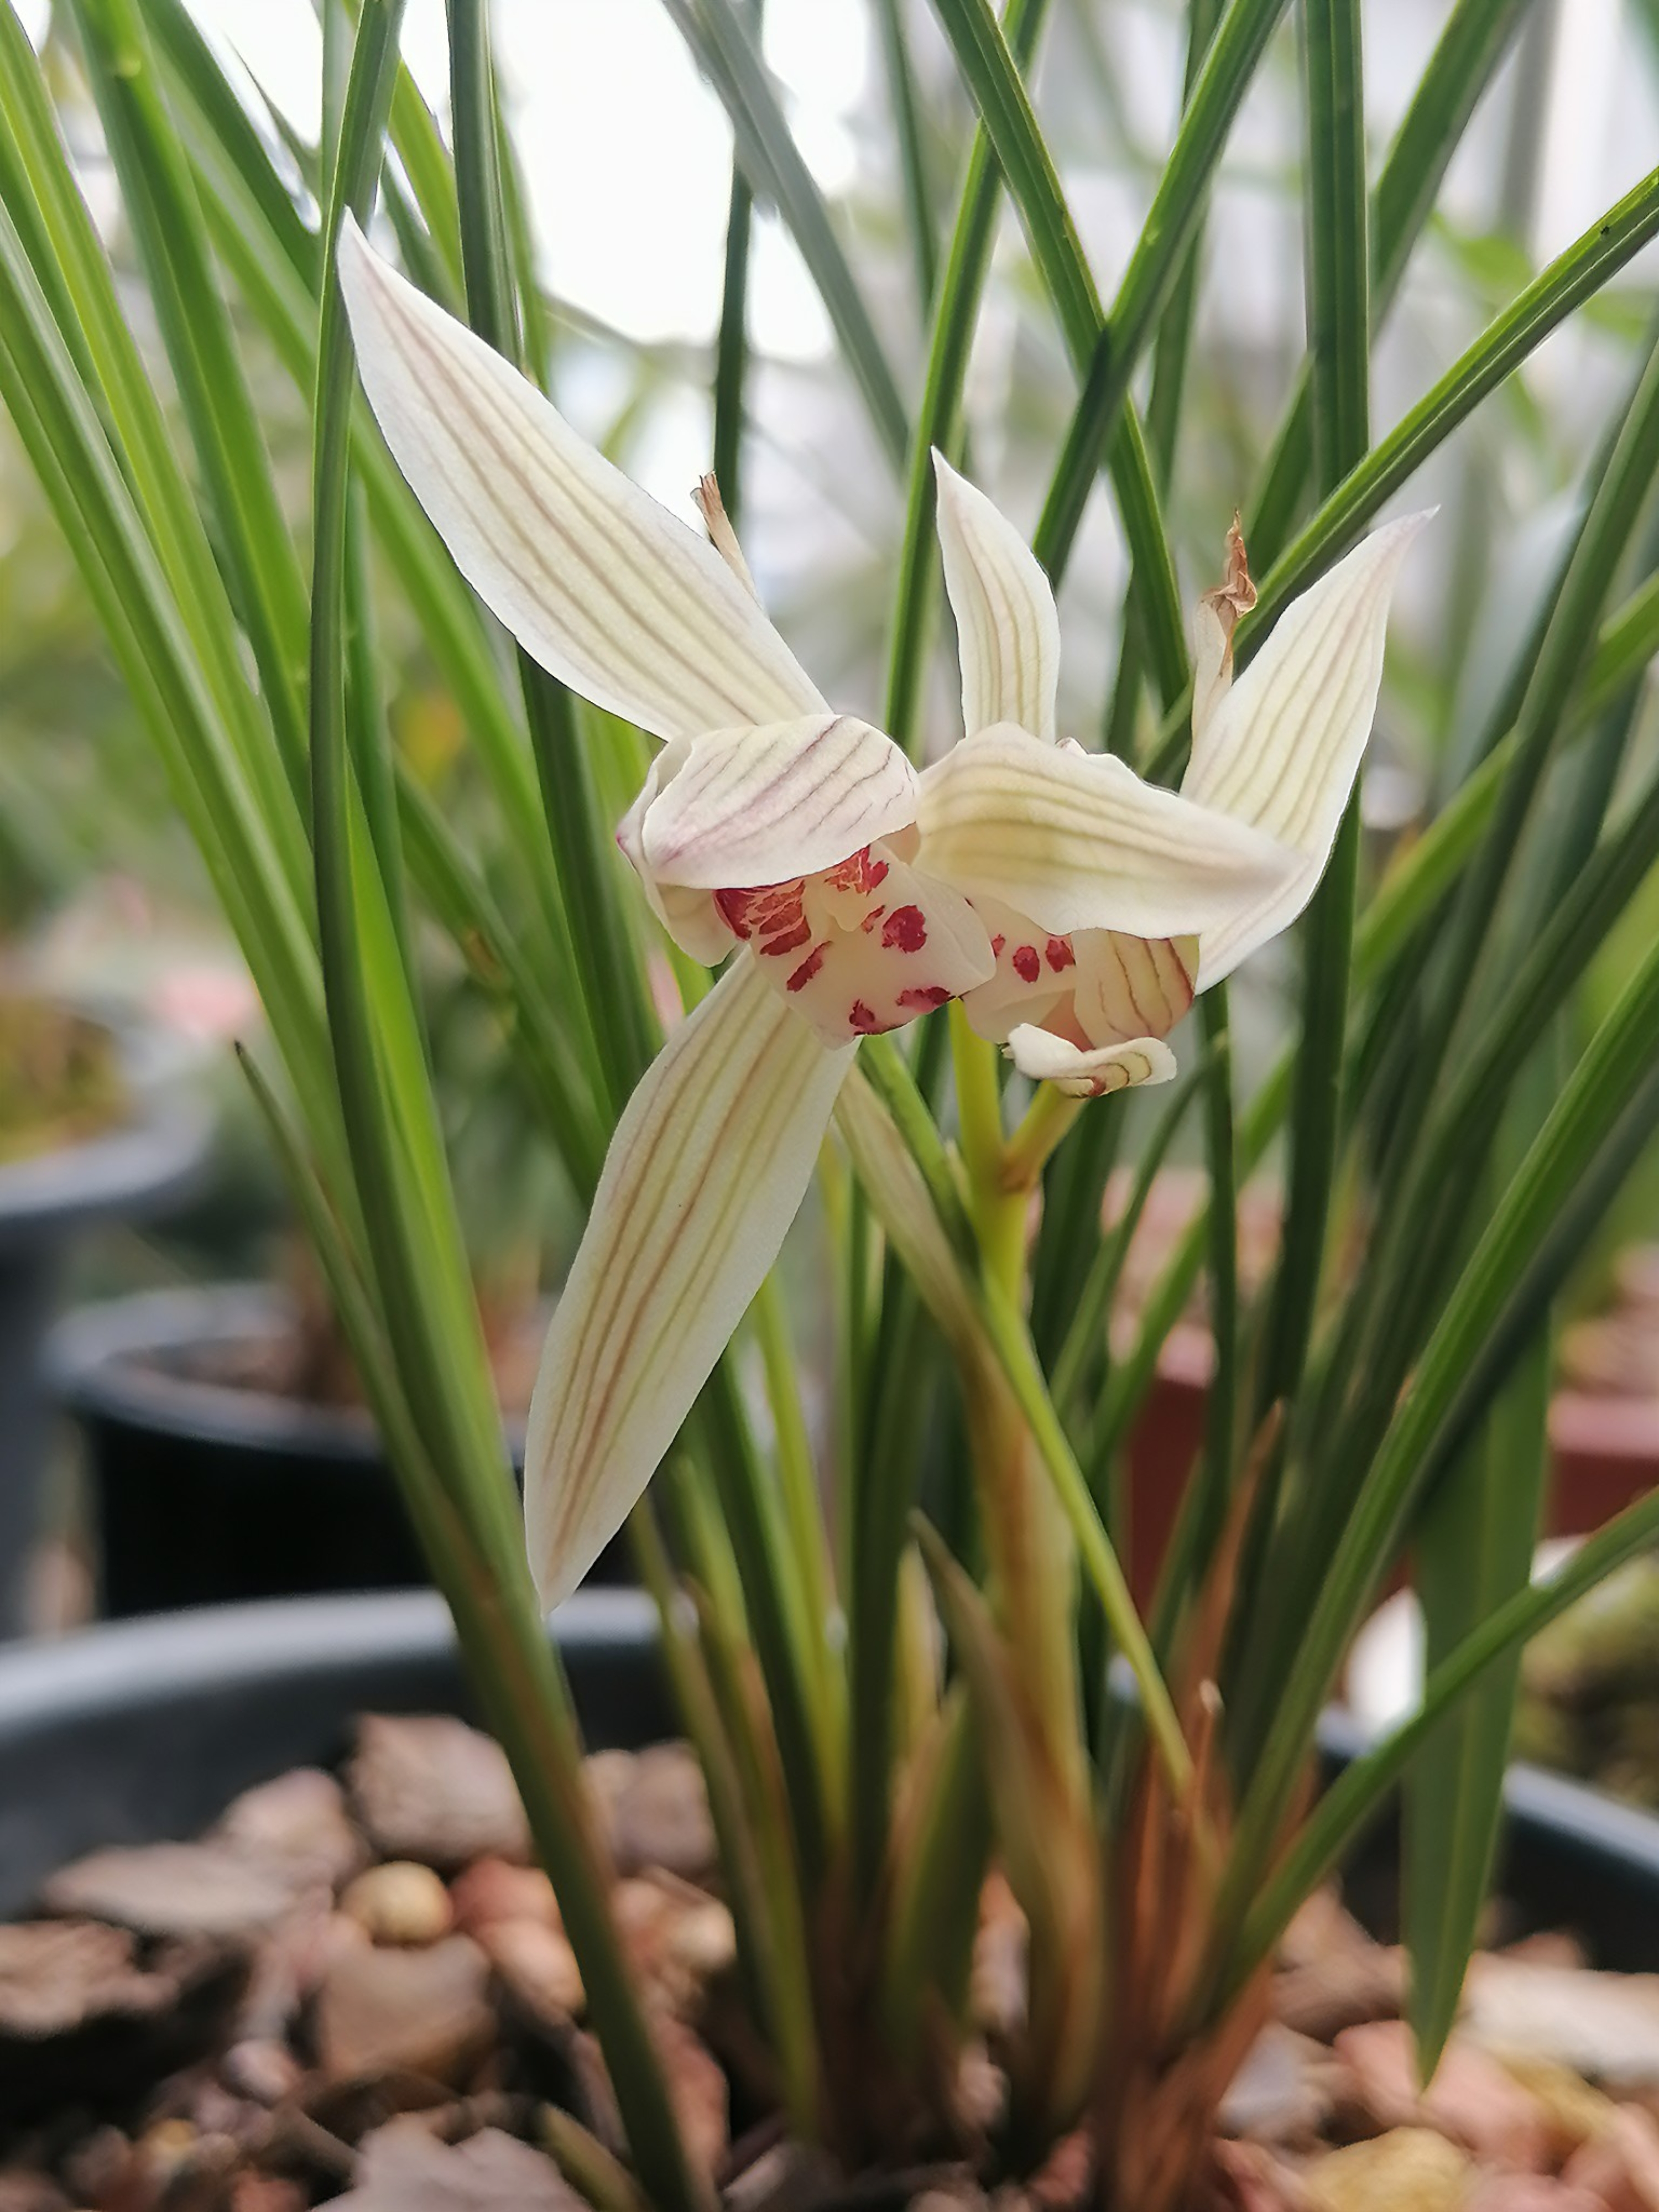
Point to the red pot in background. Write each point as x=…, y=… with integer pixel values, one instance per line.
x=1604, y=1446
x=1604, y=1420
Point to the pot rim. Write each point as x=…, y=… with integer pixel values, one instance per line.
x=47, y=1683
x=96, y=1364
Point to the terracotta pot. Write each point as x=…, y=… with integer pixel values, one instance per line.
x=1605, y=1455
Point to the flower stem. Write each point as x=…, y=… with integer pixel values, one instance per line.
x=997, y=1210
x=1047, y=1120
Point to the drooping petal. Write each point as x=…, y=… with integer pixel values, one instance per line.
x=707, y=1171
x=755, y=806
x=1047, y=1058
x=864, y=947
x=1214, y=621
x=1132, y=987
x=1283, y=747
x=1007, y=630
x=691, y=917
x=604, y=587
x=1076, y=840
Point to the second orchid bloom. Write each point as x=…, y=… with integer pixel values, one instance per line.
x=1073, y=908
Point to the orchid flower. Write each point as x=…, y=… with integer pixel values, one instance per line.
x=1024, y=824
x=856, y=895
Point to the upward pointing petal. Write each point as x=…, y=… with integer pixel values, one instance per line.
x=707, y=1171
x=1283, y=746
x=604, y=587
x=1007, y=630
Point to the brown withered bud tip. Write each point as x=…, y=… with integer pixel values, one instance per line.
x=721, y=536
x=1236, y=594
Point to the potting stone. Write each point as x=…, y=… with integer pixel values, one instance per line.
x=1472, y=2098
x=380, y=2010
x=402, y=2169
x=433, y=1789
x=399, y=1902
x=1410, y=2166
x=1604, y=2027
x=299, y=1822
x=173, y=1889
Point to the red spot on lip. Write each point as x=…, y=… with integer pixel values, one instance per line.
x=791, y=941
x=861, y=1019
x=857, y=873
x=907, y=928
x=1027, y=966
x=923, y=999
x=809, y=967
x=771, y=916
x=997, y=943
x=1059, y=954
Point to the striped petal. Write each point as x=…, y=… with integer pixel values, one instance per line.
x=604, y=587
x=1132, y=987
x=1049, y=1059
x=707, y=1169
x=1007, y=630
x=1282, y=747
x=1076, y=840
x=757, y=806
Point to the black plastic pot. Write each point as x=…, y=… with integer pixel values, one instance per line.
x=210, y=1495
x=132, y=1173
x=145, y=1730
x=1569, y=1858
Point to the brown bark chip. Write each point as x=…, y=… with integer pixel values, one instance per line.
x=433, y=1790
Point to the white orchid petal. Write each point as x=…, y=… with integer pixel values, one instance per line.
x=1007, y=630
x=691, y=917
x=1132, y=987
x=754, y=806
x=1049, y=1059
x=707, y=1169
x=1076, y=840
x=864, y=947
x=1034, y=972
x=604, y=587
x=1283, y=747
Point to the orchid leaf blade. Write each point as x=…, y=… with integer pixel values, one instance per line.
x=777, y=172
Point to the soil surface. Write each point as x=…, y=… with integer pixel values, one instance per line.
x=60, y=1079
x=355, y=1989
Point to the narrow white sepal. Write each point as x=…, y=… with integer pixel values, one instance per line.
x=603, y=586
x=1007, y=629
x=707, y=1169
x=1077, y=841
x=763, y=805
x=1047, y=1058
x=1283, y=744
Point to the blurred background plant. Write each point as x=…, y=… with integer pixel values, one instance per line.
x=1542, y=560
